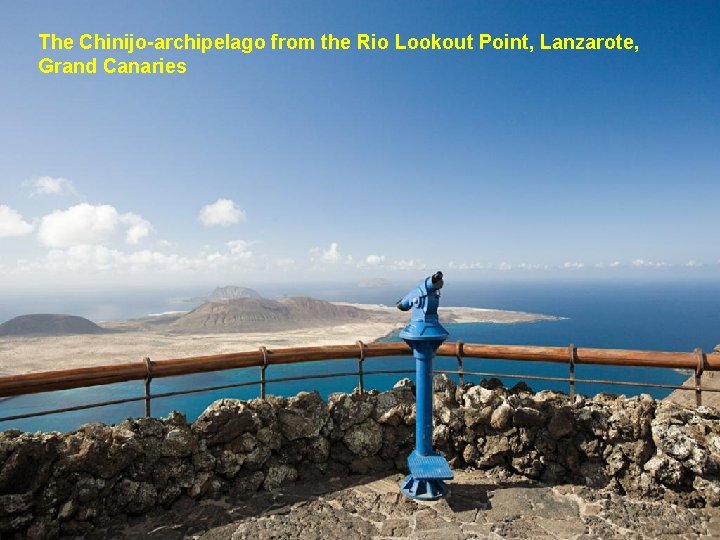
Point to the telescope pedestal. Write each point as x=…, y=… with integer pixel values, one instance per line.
x=427, y=468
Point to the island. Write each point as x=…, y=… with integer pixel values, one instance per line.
x=231, y=321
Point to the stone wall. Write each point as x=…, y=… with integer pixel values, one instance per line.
x=53, y=482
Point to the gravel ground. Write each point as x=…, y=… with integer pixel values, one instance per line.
x=479, y=507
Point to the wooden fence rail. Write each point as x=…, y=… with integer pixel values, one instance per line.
x=46, y=381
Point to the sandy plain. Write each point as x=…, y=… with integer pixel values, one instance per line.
x=135, y=339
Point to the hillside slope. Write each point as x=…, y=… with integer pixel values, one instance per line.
x=261, y=314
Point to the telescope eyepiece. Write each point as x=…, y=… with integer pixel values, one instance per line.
x=437, y=276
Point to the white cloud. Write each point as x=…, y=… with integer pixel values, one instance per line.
x=222, y=212
x=81, y=224
x=12, y=223
x=285, y=262
x=533, y=266
x=83, y=257
x=240, y=249
x=87, y=224
x=99, y=259
x=642, y=263
x=138, y=228
x=468, y=266
x=409, y=264
x=88, y=258
x=693, y=264
x=330, y=255
x=51, y=185
x=575, y=265
x=374, y=260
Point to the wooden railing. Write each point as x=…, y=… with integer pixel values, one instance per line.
x=147, y=370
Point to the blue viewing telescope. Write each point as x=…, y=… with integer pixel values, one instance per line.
x=424, y=300
x=424, y=334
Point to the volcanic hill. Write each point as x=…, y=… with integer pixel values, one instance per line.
x=262, y=314
x=232, y=292
x=49, y=325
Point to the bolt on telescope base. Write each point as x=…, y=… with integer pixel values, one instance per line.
x=423, y=489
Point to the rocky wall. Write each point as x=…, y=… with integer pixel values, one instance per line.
x=52, y=483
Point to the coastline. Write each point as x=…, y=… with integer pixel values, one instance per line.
x=134, y=340
x=686, y=398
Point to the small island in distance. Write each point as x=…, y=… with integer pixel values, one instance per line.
x=231, y=319
x=49, y=325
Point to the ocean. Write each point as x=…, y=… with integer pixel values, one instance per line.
x=676, y=316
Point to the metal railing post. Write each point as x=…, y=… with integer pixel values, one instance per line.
x=572, y=356
x=148, y=380
x=459, y=356
x=698, y=375
x=361, y=359
x=263, y=380
x=145, y=369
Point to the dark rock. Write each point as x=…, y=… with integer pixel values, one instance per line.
x=26, y=466
x=249, y=482
x=75, y=528
x=521, y=388
x=594, y=474
x=229, y=463
x=243, y=444
x=293, y=451
x=201, y=484
x=396, y=406
x=255, y=460
x=304, y=416
x=311, y=472
x=43, y=528
x=136, y=497
x=224, y=421
x=87, y=489
x=270, y=437
x=492, y=384
x=562, y=423
x=169, y=495
x=527, y=417
x=318, y=449
x=278, y=475
x=364, y=439
x=15, y=503
x=179, y=441
x=350, y=409
x=339, y=452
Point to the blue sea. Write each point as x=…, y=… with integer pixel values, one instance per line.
x=677, y=316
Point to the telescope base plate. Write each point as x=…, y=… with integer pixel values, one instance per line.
x=423, y=489
x=432, y=467
x=425, y=481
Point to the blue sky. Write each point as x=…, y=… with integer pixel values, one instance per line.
x=320, y=165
